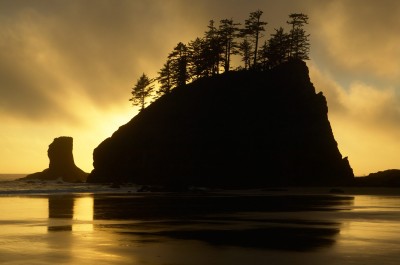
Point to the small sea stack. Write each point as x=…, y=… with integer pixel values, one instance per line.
x=62, y=165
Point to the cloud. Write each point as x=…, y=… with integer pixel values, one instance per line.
x=360, y=37
x=354, y=50
x=81, y=50
x=66, y=50
x=58, y=52
x=361, y=102
x=377, y=106
x=365, y=120
x=325, y=82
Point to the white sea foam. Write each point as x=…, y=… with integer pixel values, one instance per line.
x=22, y=187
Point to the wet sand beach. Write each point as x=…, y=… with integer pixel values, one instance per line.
x=257, y=227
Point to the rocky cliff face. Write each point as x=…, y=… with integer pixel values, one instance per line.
x=62, y=164
x=239, y=129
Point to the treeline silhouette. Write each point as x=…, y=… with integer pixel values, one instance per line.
x=212, y=54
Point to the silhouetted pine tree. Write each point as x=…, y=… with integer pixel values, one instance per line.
x=228, y=32
x=213, y=48
x=197, y=64
x=299, y=40
x=254, y=28
x=203, y=57
x=278, y=47
x=178, y=65
x=165, y=79
x=263, y=56
x=141, y=91
x=245, y=50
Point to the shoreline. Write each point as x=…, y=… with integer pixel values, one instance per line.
x=54, y=188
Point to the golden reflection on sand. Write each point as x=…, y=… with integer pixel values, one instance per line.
x=371, y=228
x=70, y=213
x=376, y=203
x=83, y=214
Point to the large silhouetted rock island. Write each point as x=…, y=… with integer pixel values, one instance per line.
x=235, y=130
x=62, y=166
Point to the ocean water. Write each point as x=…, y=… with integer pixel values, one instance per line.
x=10, y=184
x=7, y=177
x=60, y=223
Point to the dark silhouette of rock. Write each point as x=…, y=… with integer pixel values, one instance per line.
x=386, y=178
x=62, y=164
x=235, y=130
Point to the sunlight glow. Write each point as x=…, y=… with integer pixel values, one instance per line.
x=24, y=155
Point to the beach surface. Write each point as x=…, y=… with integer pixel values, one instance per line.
x=221, y=227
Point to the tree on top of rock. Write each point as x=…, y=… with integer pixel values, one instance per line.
x=228, y=32
x=165, y=79
x=205, y=56
x=253, y=28
x=245, y=50
x=178, y=65
x=141, y=91
x=198, y=66
x=299, y=40
x=213, y=48
x=278, y=47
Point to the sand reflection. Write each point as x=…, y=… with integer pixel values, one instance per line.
x=197, y=229
x=229, y=220
x=369, y=231
x=83, y=214
x=70, y=213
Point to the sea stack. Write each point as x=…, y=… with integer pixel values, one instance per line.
x=62, y=165
x=241, y=129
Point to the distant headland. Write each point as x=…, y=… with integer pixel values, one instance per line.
x=386, y=178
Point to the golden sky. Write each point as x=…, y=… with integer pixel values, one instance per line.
x=67, y=68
